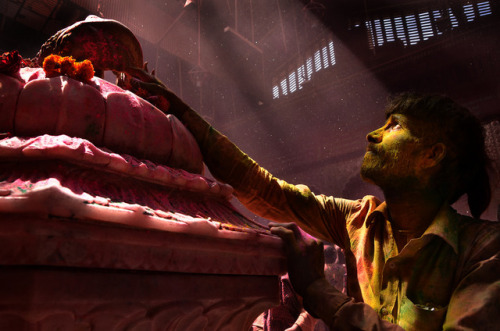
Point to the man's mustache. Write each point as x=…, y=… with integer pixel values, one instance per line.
x=373, y=149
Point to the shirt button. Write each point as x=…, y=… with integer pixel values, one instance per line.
x=392, y=266
x=384, y=311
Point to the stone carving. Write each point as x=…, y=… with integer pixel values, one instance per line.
x=106, y=219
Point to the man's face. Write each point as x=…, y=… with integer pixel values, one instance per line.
x=392, y=155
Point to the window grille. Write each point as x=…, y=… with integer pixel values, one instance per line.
x=323, y=57
x=409, y=29
x=484, y=8
x=413, y=28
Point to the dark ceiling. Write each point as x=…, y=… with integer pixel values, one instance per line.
x=258, y=39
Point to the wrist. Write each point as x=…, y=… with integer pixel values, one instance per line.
x=323, y=300
x=177, y=106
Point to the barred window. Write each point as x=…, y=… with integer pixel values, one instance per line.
x=484, y=8
x=322, y=57
x=417, y=27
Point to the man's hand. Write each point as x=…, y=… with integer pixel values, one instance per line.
x=147, y=86
x=305, y=256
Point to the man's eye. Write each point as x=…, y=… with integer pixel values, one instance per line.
x=394, y=127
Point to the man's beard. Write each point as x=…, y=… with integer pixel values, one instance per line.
x=388, y=170
x=371, y=168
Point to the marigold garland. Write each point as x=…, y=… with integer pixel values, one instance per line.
x=55, y=65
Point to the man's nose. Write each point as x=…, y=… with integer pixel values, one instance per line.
x=374, y=136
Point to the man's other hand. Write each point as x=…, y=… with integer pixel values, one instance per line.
x=305, y=255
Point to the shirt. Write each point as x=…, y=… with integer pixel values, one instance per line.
x=449, y=278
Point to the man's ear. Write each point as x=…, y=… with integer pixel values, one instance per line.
x=434, y=155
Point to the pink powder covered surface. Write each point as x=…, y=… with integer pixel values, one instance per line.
x=98, y=111
x=70, y=177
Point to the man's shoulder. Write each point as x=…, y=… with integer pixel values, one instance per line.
x=467, y=224
x=478, y=235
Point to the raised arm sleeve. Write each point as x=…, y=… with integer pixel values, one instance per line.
x=261, y=192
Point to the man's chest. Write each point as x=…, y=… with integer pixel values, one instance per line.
x=414, y=285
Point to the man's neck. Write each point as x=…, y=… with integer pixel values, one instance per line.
x=411, y=213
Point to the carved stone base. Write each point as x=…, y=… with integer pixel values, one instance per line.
x=35, y=298
x=64, y=274
x=94, y=238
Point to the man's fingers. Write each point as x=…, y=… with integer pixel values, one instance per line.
x=141, y=74
x=142, y=84
x=152, y=88
x=290, y=226
x=284, y=233
x=288, y=237
x=283, y=225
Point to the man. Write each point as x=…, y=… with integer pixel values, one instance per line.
x=412, y=262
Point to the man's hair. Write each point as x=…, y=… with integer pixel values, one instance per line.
x=439, y=119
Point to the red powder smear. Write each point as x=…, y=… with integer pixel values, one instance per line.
x=55, y=65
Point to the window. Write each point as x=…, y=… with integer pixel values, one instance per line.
x=453, y=19
x=469, y=12
x=301, y=75
x=400, y=30
x=378, y=32
x=484, y=8
x=309, y=67
x=292, y=82
x=284, y=88
x=276, y=92
x=436, y=14
x=317, y=61
x=332, y=53
x=389, y=34
x=426, y=25
x=413, y=28
x=323, y=57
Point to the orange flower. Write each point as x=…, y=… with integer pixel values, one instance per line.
x=84, y=70
x=55, y=65
x=51, y=65
x=68, y=66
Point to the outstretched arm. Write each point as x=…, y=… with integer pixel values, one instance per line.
x=255, y=187
x=224, y=159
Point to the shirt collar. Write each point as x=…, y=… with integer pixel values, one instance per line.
x=382, y=208
x=444, y=224
x=380, y=212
